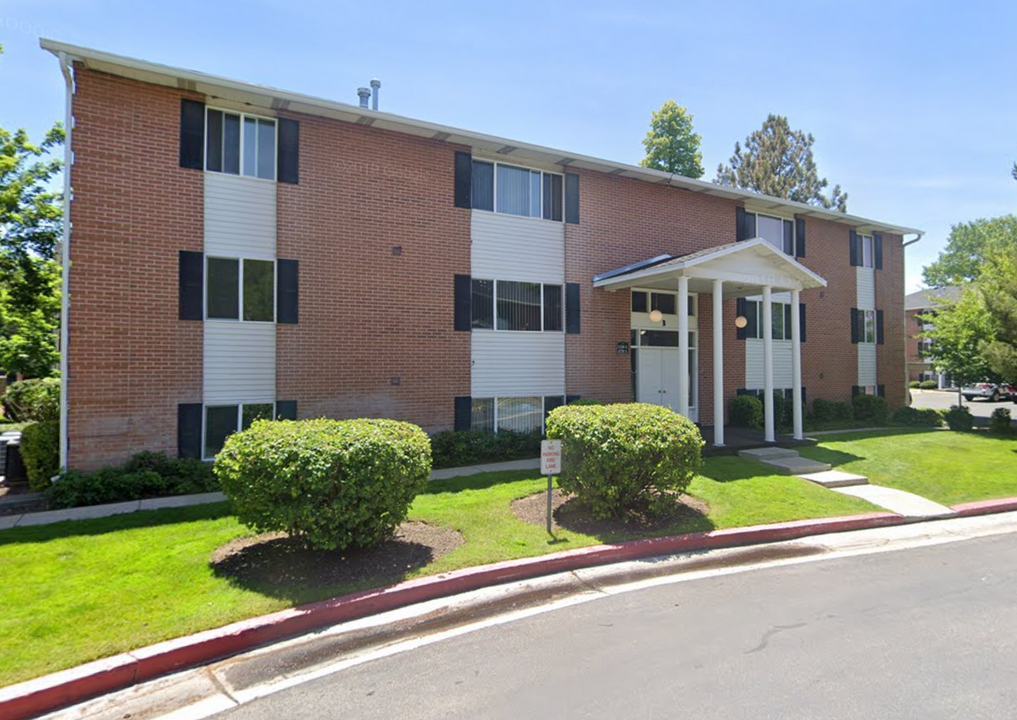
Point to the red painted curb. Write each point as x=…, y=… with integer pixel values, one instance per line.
x=986, y=507
x=74, y=685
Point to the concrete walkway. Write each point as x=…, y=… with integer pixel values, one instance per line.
x=898, y=501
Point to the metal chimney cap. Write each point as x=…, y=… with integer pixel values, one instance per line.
x=375, y=83
x=364, y=92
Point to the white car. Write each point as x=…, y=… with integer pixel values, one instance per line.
x=989, y=391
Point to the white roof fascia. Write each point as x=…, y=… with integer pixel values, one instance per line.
x=274, y=98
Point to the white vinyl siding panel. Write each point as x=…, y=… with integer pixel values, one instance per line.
x=239, y=362
x=754, y=379
x=866, y=288
x=506, y=247
x=240, y=216
x=866, y=364
x=517, y=364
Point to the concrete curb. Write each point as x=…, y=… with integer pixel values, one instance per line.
x=68, y=687
x=986, y=507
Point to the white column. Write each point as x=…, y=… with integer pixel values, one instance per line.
x=796, y=363
x=683, y=345
x=768, y=424
x=718, y=363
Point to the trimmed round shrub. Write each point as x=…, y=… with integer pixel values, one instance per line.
x=917, y=417
x=40, y=449
x=1000, y=423
x=870, y=409
x=915, y=384
x=745, y=411
x=334, y=484
x=928, y=385
x=33, y=400
x=831, y=410
x=959, y=419
x=634, y=455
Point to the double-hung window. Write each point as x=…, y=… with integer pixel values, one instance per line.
x=221, y=421
x=517, y=191
x=869, y=326
x=777, y=231
x=780, y=320
x=240, y=289
x=867, y=251
x=240, y=144
x=512, y=305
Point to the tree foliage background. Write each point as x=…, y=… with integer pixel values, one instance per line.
x=778, y=161
x=671, y=143
x=968, y=248
x=31, y=218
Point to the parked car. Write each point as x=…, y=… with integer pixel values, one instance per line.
x=992, y=392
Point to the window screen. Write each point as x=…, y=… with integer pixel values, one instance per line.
x=518, y=306
x=220, y=423
x=223, y=289
x=552, y=308
x=482, y=304
x=482, y=192
x=524, y=415
x=482, y=414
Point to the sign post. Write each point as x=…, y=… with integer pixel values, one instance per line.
x=550, y=465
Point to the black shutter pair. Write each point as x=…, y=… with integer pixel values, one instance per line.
x=856, y=254
x=879, y=328
x=745, y=224
x=192, y=288
x=192, y=142
x=877, y=250
x=463, y=305
x=800, y=238
x=856, y=325
x=855, y=250
x=189, y=419
x=462, y=195
x=801, y=322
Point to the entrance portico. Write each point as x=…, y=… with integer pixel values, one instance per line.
x=742, y=269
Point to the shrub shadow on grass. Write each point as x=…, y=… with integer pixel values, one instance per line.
x=478, y=481
x=832, y=457
x=279, y=566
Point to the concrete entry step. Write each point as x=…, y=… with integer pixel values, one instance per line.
x=797, y=465
x=835, y=478
x=768, y=453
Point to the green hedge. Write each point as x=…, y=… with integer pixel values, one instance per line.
x=929, y=385
x=335, y=484
x=1000, y=422
x=455, y=448
x=831, y=410
x=146, y=475
x=870, y=409
x=40, y=449
x=917, y=417
x=959, y=419
x=914, y=384
x=616, y=457
x=36, y=400
x=745, y=411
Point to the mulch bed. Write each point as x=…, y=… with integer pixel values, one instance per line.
x=569, y=513
x=274, y=561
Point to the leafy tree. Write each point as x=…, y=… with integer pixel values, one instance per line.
x=671, y=145
x=778, y=161
x=30, y=228
x=968, y=248
x=998, y=286
x=959, y=332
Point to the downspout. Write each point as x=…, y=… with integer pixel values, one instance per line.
x=904, y=245
x=65, y=255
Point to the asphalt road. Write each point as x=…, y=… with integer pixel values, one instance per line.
x=943, y=400
x=921, y=633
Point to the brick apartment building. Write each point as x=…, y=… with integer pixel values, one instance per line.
x=916, y=305
x=239, y=251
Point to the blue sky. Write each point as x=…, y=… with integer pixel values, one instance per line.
x=912, y=104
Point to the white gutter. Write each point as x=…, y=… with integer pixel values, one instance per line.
x=65, y=255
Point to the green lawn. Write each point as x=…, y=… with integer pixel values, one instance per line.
x=77, y=591
x=948, y=467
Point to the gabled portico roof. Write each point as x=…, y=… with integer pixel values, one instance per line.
x=745, y=267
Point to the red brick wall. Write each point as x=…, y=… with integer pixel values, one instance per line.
x=370, y=318
x=131, y=361
x=916, y=364
x=890, y=371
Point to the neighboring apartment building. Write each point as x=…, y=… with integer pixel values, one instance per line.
x=239, y=251
x=916, y=305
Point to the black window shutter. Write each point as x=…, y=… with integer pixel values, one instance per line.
x=879, y=327
x=464, y=178
x=740, y=224
x=856, y=255
x=551, y=402
x=740, y=312
x=289, y=151
x=572, y=308
x=877, y=249
x=881, y=391
x=855, y=390
x=799, y=237
x=572, y=198
x=288, y=293
x=569, y=399
x=463, y=305
x=463, y=412
x=854, y=326
x=192, y=134
x=192, y=275
x=801, y=322
x=286, y=409
x=189, y=430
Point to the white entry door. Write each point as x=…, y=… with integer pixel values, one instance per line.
x=657, y=379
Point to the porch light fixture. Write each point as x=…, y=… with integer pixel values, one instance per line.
x=622, y=348
x=656, y=316
x=741, y=321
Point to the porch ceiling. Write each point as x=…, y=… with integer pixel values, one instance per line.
x=745, y=267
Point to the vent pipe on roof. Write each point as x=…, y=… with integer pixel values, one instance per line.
x=376, y=86
x=364, y=94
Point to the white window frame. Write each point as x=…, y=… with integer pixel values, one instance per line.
x=868, y=251
x=494, y=202
x=240, y=289
x=786, y=334
x=240, y=419
x=494, y=401
x=494, y=306
x=243, y=130
x=794, y=231
x=866, y=316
